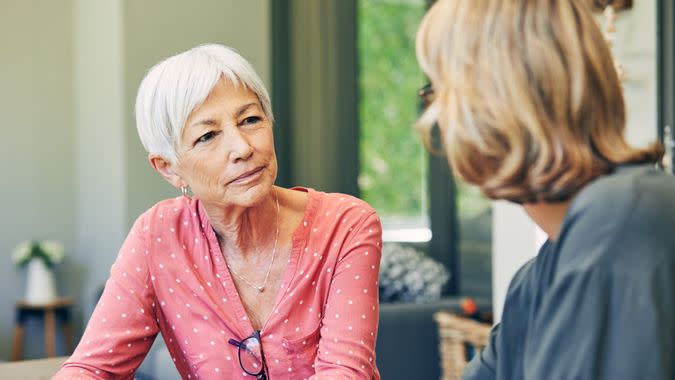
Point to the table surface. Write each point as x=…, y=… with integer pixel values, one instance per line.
x=31, y=369
x=58, y=303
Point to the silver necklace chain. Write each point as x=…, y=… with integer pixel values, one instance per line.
x=274, y=255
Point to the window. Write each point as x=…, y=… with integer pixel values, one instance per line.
x=393, y=164
x=395, y=169
x=474, y=215
x=317, y=47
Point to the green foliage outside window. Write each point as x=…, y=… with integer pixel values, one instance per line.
x=393, y=174
x=393, y=161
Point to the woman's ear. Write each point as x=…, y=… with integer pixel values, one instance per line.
x=166, y=169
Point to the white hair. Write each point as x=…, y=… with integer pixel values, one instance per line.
x=173, y=88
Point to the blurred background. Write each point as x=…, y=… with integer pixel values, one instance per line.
x=343, y=79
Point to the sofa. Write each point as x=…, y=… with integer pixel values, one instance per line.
x=407, y=344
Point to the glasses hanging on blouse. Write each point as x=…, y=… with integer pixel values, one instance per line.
x=251, y=356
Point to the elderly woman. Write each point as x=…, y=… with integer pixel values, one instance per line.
x=243, y=278
x=531, y=111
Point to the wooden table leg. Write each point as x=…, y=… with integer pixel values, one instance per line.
x=50, y=334
x=17, y=346
x=68, y=335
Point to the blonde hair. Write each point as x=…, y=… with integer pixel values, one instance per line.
x=527, y=98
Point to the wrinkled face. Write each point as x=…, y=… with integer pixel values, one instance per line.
x=226, y=154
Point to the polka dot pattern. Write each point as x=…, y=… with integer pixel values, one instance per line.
x=169, y=279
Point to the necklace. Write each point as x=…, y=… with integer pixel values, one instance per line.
x=261, y=288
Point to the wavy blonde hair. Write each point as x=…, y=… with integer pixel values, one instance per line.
x=527, y=98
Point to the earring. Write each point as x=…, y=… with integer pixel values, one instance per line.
x=184, y=191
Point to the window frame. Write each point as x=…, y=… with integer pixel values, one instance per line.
x=443, y=218
x=665, y=71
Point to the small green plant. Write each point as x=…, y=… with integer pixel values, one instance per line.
x=49, y=251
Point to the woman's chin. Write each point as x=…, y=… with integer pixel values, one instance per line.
x=248, y=196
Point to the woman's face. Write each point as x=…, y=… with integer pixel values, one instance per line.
x=226, y=154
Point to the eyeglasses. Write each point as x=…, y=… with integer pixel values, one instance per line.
x=251, y=356
x=426, y=95
x=428, y=123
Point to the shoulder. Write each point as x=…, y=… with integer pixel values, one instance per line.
x=597, y=197
x=349, y=221
x=168, y=223
x=655, y=200
x=354, y=215
x=624, y=191
x=529, y=278
x=345, y=202
x=155, y=228
x=617, y=216
x=166, y=211
x=337, y=208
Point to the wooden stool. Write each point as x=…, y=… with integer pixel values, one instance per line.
x=49, y=312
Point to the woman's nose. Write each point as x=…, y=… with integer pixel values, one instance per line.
x=238, y=147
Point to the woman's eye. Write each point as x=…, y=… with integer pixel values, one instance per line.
x=251, y=120
x=205, y=137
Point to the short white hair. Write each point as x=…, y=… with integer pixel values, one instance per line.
x=173, y=88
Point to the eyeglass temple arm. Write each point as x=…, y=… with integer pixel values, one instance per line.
x=238, y=344
x=235, y=343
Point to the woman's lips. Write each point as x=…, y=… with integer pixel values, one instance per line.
x=248, y=176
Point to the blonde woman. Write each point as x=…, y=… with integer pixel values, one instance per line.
x=531, y=111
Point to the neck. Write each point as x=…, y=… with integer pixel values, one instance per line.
x=244, y=230
x=548, y=216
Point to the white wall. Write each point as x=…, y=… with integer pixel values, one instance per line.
x=516, y=239
x=99, y=109
x=635, y=48
x=38, y=186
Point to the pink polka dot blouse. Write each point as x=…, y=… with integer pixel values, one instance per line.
x=170, y=277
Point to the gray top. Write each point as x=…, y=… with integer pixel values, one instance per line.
x=600, y=302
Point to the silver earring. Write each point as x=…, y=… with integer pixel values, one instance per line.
x=184, y=191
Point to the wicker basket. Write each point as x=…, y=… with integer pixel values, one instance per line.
x=455, y=333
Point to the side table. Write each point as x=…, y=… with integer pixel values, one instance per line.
x=60, y=309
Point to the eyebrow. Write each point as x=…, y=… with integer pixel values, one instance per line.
x=203, y=122
x=237, y=114
x=244, y=108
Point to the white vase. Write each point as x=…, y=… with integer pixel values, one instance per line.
x=40, y=285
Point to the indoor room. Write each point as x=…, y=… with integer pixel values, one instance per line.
x=346, y=91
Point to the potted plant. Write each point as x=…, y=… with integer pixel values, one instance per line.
x=40, y=257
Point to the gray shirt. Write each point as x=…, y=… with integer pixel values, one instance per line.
x=599, y=303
